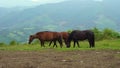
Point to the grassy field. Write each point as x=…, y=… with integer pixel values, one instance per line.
x=84, y=45
x=106, y=54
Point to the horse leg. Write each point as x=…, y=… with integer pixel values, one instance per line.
x=93, y=43
x=90, y=43
x=74, y=44
x=41, y=43
x=54, y=43
x=65, y=41
x=78, y=44
x=50, y=43
x=60, y=42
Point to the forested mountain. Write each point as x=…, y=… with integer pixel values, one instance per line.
x=17, y=24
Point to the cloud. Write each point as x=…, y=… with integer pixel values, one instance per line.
x=47, y=1
x=35, y=0
x=99, y=0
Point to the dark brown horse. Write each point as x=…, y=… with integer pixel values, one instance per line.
x=64, y=35
x=47, y=36
x=77, y=35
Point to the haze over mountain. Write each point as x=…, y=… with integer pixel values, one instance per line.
x=18, y=24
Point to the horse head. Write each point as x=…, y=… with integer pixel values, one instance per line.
x=31, y=38
x=68, y=44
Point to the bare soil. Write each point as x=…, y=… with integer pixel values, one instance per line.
x=60, y=59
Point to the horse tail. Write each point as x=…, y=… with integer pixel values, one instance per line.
x=91, y=38
x=93, y=41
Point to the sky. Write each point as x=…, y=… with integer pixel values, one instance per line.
x=22, y=3
x=18, y=3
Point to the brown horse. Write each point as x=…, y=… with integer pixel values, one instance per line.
x=47, y=36
x=77, y=35
x=64, y=35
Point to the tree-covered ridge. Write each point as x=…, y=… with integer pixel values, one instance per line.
x=18, y=37
x=69, y=15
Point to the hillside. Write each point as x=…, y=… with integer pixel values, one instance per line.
x=67, y=15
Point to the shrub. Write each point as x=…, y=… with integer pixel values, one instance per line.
x=105, y=34
x=98, y=34
x=13, y=43
x=2, y=44
x=110, y=34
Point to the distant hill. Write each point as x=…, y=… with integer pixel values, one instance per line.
x=67, y=15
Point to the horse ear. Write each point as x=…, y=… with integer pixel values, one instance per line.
x=31, y=35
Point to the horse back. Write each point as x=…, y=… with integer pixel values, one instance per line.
x=81, y=35
x=48, y=35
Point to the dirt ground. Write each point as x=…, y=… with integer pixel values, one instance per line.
x=60, y=59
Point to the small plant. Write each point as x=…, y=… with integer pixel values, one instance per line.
x=13, y=43
x=2, y=44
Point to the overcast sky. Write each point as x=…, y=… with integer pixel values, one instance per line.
x=18, y=3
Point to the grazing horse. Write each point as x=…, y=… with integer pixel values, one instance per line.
x=77, y=35
x=64, y=35
x=47, y=36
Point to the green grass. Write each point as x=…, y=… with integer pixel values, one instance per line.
x=84, y=45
